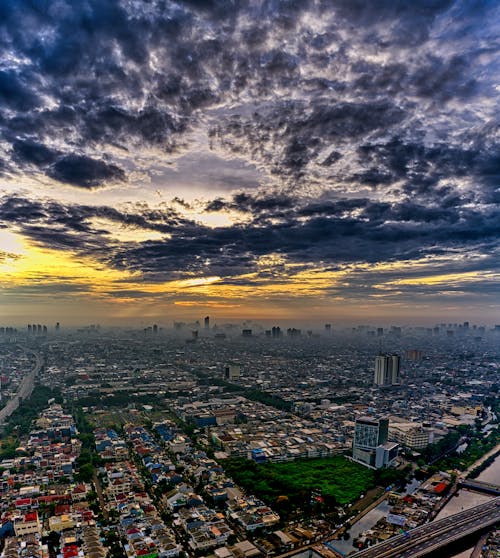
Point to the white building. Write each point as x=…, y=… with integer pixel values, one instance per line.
x=387, y=370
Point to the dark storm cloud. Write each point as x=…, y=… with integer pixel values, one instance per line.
x=121, y=73
x=71, y=227
x=303, y=130
x=325, y=233
x=14, y=93
x=85, y=172
x=380, y=233
x=33, y=152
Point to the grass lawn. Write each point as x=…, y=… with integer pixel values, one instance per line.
x=338, y=480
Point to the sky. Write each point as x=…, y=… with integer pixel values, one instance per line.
x=329, y=160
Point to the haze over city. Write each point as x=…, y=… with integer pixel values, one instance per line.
x=313, y=160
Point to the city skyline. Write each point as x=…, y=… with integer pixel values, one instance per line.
x=276, y=161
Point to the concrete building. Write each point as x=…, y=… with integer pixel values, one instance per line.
x=386, y=454
x=411, y=435
x=387, y=369
x=370, y=444
x=232, y=372
x=27, y=524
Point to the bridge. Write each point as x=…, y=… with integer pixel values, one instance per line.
x=479, y=486
x=429, y=537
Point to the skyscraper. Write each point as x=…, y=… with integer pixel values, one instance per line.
x=387, y=369
x=207, y=322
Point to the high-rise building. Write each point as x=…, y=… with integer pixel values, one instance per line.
x=370, y=432
x=232, y=372
x=207, y=322
x=328, y=328
x=414, y=355
x=387, y=368
x=370, y=445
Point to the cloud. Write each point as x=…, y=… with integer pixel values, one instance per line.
x=329, y=132
x=332, y=232
x=85, y=172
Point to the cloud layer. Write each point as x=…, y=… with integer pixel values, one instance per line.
x=322, y=133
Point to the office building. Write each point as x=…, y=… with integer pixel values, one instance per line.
x=387, y=369
x=370, y=446
x=411, y=435
x=232, y=372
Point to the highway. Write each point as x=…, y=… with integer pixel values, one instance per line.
x=25, y=388
x=479, y=486
x=431, y=536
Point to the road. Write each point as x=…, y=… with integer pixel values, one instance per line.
x=430, y=536
x=25, y=388
x=100, y=495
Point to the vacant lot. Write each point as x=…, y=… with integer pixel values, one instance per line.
x=336, y=479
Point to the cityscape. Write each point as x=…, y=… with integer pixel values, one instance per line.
x=234, y=441
x=249, y=279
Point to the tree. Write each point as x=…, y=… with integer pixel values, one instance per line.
x=86, y=472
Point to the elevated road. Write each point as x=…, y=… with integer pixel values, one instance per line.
x=479, y=486
x=431, y=536
x=25, y=388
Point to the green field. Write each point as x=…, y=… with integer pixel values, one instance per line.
x=339, y=480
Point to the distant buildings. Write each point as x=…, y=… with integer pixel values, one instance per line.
x=387, y=369
x=414, y=355
x=370, y=445
x=276, y=332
